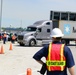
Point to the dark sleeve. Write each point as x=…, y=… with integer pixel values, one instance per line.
x=69, y=57
x=41, y=53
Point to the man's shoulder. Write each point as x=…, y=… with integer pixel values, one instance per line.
x=67, y=50
x=46, y=46
x=66, y=47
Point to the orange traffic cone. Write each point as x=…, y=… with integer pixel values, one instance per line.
x=29, y=71
x=2, y=50
x=10, y=46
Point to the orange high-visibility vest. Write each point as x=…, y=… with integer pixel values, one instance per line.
x=56, y=60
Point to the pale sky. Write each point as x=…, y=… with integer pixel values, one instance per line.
x=21, y=13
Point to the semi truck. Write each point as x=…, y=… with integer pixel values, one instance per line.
x=41, y=30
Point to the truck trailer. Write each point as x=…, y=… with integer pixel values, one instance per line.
x=41, y=30
x=68, y=29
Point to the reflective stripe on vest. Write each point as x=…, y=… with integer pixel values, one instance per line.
x=56, y=59
x=55, y=63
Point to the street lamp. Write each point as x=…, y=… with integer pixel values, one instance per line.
x=1, y=14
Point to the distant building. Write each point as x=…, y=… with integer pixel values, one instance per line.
x=13, y=30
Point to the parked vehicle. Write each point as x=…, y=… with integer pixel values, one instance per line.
x=0, y=36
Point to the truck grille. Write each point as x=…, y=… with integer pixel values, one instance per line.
x=20, y=37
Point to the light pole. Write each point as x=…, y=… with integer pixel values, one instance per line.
x=10, y=27
x=1, y=14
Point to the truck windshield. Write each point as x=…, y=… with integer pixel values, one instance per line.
x=31, y=29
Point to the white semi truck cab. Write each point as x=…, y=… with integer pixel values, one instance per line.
x=40, y=30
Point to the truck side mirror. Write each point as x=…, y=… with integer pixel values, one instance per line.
x=37, y=31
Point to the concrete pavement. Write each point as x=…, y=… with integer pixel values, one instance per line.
x=17, y=60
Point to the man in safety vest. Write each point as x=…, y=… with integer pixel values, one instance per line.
x=58, y=56
x=13, y=38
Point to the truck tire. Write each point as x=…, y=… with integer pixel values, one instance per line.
x=32, y=42
x=66, y=42
x=63, y=41
x=21, y=44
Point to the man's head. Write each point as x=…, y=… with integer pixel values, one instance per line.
x=56, y=34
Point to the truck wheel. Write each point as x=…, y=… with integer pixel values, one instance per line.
x=66, y=42
x=21, y=44
x=32, y=42
x=63, y=41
